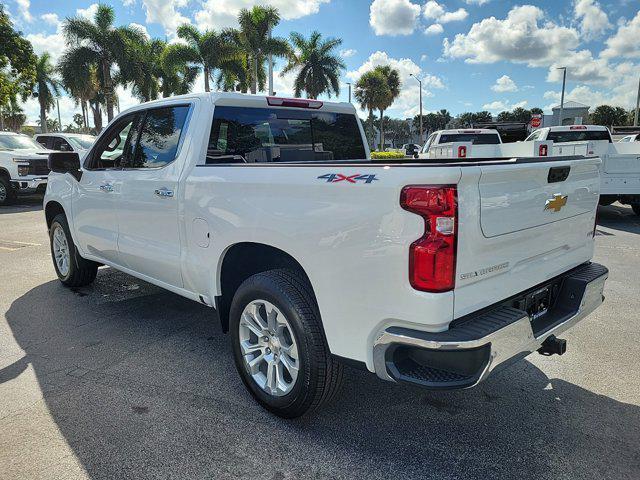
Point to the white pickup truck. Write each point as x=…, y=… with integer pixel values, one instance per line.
x=23, y=166
x=620, y=170
x=464, y=137
x=269, y=210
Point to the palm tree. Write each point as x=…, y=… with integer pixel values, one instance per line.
x=254, y=38
x=317, y=65
x=48, y=87
x=209, y=50
x=369, y=91
x=101, y=44
x=80, y=80
x=392, y=83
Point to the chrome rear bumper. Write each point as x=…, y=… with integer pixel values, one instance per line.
x=464, y=355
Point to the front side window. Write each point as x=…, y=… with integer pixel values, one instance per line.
x=159, y=137
x=256, y=135
x=115, y=146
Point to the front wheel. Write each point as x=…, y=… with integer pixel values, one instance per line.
x=7, y=193
x=278, y=344
x=71, y=268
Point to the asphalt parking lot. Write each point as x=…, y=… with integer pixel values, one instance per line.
x=122, y=379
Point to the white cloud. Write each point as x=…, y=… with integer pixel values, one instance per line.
x=423, y=57
x=393, y=17
x=67, y=109
x=142, y=28
x=517, y=38
x=89, y=12
x=624, y=43
x=220, y=14
x=23, y=8
x=54, y=43
x=435, y=29
x=433, y=10
x=406, y=104
x=348, y=52
x=500, y=106
x=504, y=84
x=50, y=18
x=165, y=12
x=593, y=21
x=476, y=2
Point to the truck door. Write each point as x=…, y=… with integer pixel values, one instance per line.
x=95, y=216
x=149, y=238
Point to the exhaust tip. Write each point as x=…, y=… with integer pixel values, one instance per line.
x=553, y=346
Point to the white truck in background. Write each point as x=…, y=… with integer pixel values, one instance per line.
x=23, y=166
x=619, y=171
x=271, y=211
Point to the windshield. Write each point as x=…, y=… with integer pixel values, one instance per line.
x=282, y=135
x=83, y=143
x=578, y=135
x=474, y=138
x=18, y=142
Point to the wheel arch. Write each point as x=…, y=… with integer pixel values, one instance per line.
x=5, y=173
x=242, y=260
x=51, y=209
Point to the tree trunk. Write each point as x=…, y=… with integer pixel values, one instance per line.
x=97, y=117
x=43, y=116
x=382, y=130
x=372, y=129
x=254, y=74
x=108, y=89
x=207, y=74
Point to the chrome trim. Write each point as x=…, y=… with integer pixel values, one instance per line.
x=514, y=339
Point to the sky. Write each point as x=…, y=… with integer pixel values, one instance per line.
x=470, y=54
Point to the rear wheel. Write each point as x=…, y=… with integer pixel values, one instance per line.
x=279, y=346
x=7, y=193
x=71, y=268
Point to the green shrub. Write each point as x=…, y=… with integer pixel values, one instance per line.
x=386, y=155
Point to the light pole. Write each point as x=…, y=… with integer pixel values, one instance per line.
x=420, y=84
x=270, y=64
x=635, y=118
x=564, y=81
x=349, y=83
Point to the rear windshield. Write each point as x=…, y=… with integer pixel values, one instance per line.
x=251, y=135
x=474, y=138
x=578, y=135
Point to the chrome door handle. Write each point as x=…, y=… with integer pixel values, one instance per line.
x=106, y=187
x=164, y=192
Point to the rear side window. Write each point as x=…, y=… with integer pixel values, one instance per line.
x=578, y=135
x=159, y=137
x=255, y=135
x=474, y=138
x=44, y=141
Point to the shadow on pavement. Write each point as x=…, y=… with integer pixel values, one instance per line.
x=619, y=217
x=24, y=203
x=141, y=384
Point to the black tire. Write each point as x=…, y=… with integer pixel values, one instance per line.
x=636, y=208
x=81, y=272
x=319, y=375
x=7, y=192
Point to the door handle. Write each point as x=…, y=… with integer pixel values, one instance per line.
x=106, y=187
x=164, y=192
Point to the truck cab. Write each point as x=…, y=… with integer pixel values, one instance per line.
x=473, y=136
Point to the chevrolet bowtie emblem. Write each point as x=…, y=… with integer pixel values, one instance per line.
x=556, y=203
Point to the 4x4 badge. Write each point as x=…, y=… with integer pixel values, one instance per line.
x=355, y=178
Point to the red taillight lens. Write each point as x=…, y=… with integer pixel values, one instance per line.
x=542, y=151
x=294, y=102
x=462, y=152
x=432, y=258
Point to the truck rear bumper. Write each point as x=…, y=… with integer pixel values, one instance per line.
x=477, y=344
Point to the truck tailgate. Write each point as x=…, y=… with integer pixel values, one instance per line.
x=521, y=224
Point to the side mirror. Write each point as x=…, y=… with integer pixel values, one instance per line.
x=65, y=162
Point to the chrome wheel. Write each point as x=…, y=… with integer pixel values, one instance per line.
x=61, y=253
x=268, y=346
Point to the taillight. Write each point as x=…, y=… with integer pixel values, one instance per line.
x=294, y=102
x=542, y=150
x=462, y=151
x=432, y=258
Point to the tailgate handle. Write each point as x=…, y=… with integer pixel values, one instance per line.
x=558, y=174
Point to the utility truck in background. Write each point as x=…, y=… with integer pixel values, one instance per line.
x=271, y=211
